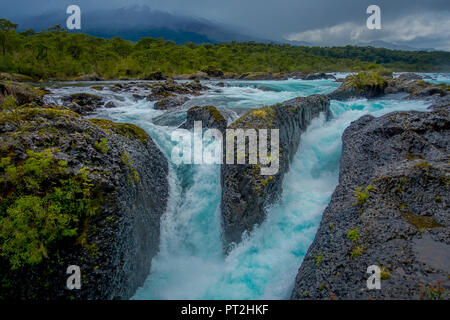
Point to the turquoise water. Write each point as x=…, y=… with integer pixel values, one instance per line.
x=190, y=263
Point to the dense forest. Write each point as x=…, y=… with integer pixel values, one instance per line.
x=58, y=54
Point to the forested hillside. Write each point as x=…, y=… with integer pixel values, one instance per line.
x=58, y=54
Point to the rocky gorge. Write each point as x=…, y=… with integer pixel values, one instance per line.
x=389, y=208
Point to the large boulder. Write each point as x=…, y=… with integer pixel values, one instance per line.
x=171, y=102
x=213, y=72
x=245, y=192
x=75, y=191
x=410, y=76
x=88, y=77
x=442, y=102
x=361, y=85
x=171, y=88
x=376, y=84
x=390, y=210
x=82, y=103
x=208, y=115
x=22, y=93
x=319, y=76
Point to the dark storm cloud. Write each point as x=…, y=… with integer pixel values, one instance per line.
x=278, y=19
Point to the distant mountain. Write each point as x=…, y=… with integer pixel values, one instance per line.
x=137, y=22
x=298, y=43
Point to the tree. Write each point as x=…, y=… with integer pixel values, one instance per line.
x=6, y=28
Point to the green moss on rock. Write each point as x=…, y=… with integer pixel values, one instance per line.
x=124, y=129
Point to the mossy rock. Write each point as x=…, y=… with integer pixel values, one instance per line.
x=125, y=129
x=21, y=92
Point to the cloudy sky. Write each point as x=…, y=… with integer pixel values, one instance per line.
x=415, y=23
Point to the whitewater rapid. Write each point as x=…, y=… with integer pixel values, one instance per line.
x=190, y=263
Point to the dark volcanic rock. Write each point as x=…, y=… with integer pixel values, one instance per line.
x=88, y=77
x=398, y=220
x=155, y=76
x=115, y=243
x=170, y=88
x=354, y=87
x=110, y=104
x=371, y=84
x=208, y=115
x=245, y=192
x=442, y=102
x=263, y=76
x=213, y=72
x=171, y=102
x=82, y=103
x=22, y=93
x=318, y=76
x=409, y=76
x=15, y=77
x=427, y=91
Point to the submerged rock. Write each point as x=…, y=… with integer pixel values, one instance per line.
x=390, y=210
x=84, y=192
x=245, y=192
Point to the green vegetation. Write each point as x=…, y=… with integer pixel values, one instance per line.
x=133, y=174
x=362, y=195
x=385, y=274
x=124, y=129
x=373, y=78
x=356, y=252
x=318, y=258
x=353, y=235
x=421, y=222
x=56, y=53
x=102, y=145
x=40, y=203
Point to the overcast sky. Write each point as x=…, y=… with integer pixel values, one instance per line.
x=417, y=23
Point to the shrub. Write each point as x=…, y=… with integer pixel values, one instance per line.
x=47, y=204
x=353, y=235
x=363, y=195
x=102, y=145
